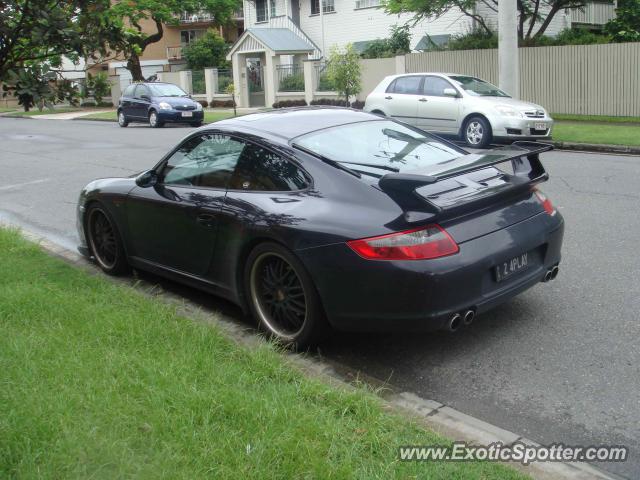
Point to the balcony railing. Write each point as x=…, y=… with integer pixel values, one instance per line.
x=174, y=53
x=594, y=13
x=196, y=17
x=205, y=17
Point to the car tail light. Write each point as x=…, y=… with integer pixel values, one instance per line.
x=546, y=203
x=421, y=243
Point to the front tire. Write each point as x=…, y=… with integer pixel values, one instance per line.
x=105, y=242
x=154, y=120
x=122, y=119
x=477, y=132
x=282, y=297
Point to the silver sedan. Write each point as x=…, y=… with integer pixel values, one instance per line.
x=460, y=105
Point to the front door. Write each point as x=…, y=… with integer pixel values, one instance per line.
x=174, y=224
x=140, y=101
x=438, y=112
x=255, y=82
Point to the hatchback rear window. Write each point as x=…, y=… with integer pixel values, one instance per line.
x=378, y=145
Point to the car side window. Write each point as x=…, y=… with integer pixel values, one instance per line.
x=406, y=85
x=128, y=92
x=259, y=169
x=206, y=161
x=142, y=90
x=434, y=86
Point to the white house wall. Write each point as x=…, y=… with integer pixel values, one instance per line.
x=560, y=20
x=350, y=25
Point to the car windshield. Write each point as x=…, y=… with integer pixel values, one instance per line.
x=377, y=146
x=476, y=87
x=167, y=90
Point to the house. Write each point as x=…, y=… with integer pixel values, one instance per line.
x=280, y=34
x=166, y=55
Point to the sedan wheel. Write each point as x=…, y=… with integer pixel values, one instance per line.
x=122, y=120
x=282, y=297
x=104, y=241
x=477, y=132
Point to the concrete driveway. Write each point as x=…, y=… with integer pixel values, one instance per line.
x=559, y=363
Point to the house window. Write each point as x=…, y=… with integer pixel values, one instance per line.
x=367, y=3
x=262, y=11
x=328, y=6
x=272, y=8
x=188, y=36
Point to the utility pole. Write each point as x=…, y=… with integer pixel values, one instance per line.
x=508, y=47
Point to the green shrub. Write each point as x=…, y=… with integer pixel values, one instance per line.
x=325, y=84
x=397, y=44
x=210, y=50
x=292, y=83
x=289, y=103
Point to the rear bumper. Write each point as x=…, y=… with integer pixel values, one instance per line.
x=364, y=295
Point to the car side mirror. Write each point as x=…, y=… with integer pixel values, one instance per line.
x=147, y=179
x=450, y=92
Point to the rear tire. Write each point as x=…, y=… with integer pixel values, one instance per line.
x=105, y=243
x=476, y=132
x=196, y=124
x=122, y=119
x=154, y=121
x=282, y=297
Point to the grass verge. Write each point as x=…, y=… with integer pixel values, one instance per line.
x=209, y=116
x=6, y=109
x=594, y=118
x=99, y=381
x=598, y=133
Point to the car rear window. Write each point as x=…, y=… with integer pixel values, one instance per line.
x=380, y=144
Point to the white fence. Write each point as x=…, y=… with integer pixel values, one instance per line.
x=577, y=79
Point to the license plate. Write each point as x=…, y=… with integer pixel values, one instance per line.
x=540, y=126
x=512, y=266
x=190, y=114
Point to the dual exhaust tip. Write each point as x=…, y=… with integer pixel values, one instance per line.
x=459, y=319
x=551, y=274
x=465, y=318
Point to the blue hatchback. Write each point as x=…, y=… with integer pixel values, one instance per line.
x=157, y=104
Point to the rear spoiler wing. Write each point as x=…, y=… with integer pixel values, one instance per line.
x=524, y=158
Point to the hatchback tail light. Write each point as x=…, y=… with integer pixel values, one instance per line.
x=546, y=203
x=421, y=243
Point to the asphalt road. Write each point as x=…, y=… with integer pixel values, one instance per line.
x=560, y=363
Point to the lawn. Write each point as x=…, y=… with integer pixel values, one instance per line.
x=209, y=116
x=600, y=133
x=99, y=381
x=5, y=110
x=594, y=118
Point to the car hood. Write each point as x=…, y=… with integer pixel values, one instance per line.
x=176, y=101
x=519, y=105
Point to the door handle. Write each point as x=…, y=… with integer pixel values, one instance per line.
x=206, y=219
x=388, y=98
x=422, y=100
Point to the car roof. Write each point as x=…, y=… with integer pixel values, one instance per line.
x=288, y=123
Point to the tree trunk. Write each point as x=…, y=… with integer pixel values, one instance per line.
x=133, y=65
x=547, y=21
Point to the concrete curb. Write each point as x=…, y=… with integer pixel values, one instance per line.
x=594, y=147
x=435, y=415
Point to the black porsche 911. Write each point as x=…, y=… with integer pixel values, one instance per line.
x=316, y=219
